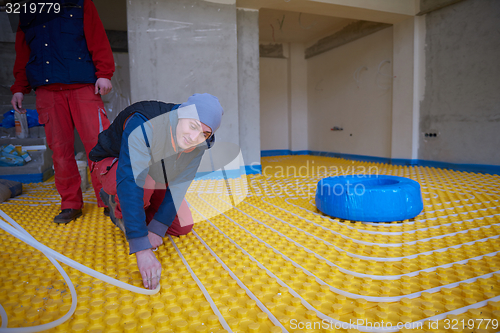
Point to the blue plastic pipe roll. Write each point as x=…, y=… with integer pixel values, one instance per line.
x=369, y=198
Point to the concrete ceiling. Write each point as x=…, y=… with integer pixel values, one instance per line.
x=113, y=13
x=383, y=11
x=279, y=26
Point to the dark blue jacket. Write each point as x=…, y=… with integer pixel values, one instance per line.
x=130, y=138
x=59, y=52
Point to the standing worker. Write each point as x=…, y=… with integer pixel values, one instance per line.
x=65, y=56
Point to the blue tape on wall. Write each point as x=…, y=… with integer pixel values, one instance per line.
x=234, y=173
x=481, y=168
x=278, y=152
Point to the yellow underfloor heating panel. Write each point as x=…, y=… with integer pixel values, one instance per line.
x=272, y=263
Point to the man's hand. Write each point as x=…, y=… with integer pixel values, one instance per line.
x=103, y=86
x=17, y=102
x=149, y=267
x=154, y=239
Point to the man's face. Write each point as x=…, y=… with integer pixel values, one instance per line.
x=191, y=132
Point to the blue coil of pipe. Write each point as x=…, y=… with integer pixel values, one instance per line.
x=369, y=198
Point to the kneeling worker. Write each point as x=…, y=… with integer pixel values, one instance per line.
x=146, y=161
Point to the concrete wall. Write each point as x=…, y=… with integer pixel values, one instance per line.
x=119, y=98
x=7, y=33
x=298, y=97
x=347, y=89
x=178, y=48
x=7, y=59
x=427, y=6
x=274, y=104
x=248, y=85
x=462, y=99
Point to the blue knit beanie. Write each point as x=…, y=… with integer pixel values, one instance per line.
x=208, y=110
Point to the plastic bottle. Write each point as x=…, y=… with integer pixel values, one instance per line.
x=21, y=122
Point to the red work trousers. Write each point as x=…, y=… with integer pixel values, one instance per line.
x=61, y=112
x=105, y=173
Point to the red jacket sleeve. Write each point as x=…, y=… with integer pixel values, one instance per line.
x=97, y=41
x=23, y=51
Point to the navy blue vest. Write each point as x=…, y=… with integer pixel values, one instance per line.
x=59, y=52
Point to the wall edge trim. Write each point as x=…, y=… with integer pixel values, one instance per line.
x=465, y=167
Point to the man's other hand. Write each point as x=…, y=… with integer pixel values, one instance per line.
x=149, y=267
x=103, y=86
x=154, y=239
x=17, y=102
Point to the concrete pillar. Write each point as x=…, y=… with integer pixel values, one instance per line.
x=274, y=109
x=8, y=27
x=297, y=97
x=249, y=86
x=182, y=47
x=408, y=71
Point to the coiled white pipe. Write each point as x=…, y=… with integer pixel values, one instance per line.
x=66, y=279
x=390, y=233
x=214, y=307
x=339, y=291
x=250, y=294
x=52, y=255
x=381, y=277
x=376, y=244
x=328, y=318
x=382, y=232
x=382, y=224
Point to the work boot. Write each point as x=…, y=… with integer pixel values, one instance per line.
x=67, y=215
x=109, y=200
